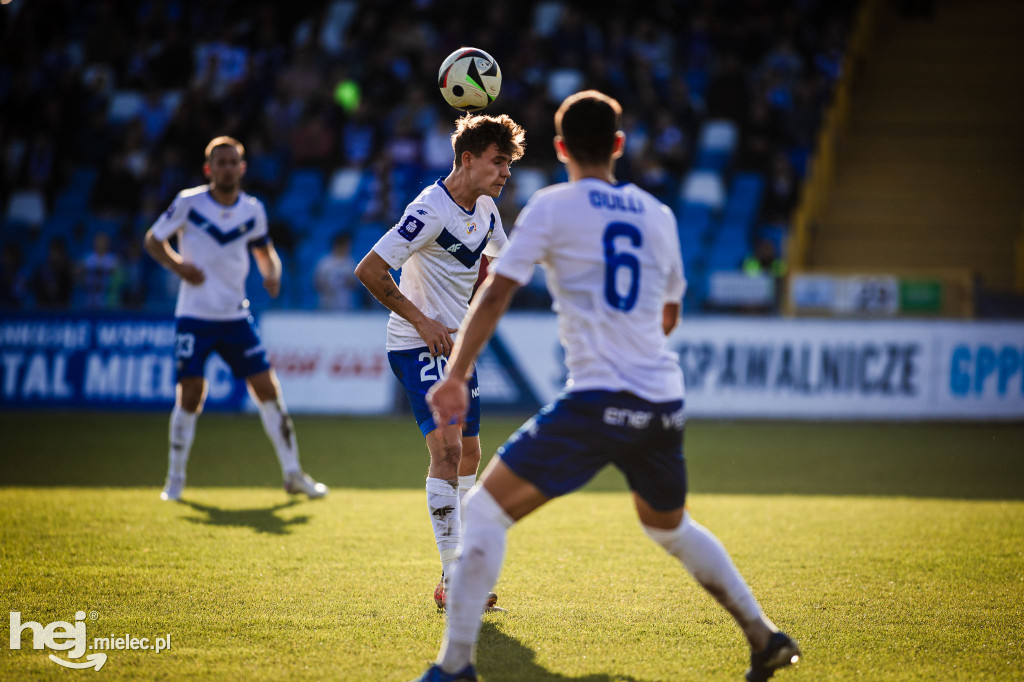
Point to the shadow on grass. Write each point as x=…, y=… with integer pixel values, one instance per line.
x=505, y=658
x=260, y=520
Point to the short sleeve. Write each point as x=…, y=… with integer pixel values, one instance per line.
x=171, y=220
x=419, y=226
x=527, y=245
x=261, y=233
x=499, y=240
x=676, y=285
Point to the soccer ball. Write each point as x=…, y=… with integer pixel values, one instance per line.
x=469, y=79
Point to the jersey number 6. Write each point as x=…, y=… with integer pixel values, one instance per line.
x=615, y=260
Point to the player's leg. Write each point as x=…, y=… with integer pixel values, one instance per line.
x=239, y=344
x=709, y=563
x=191, y=349
x=552, y=454
x=266, y=392
x=445, y=447
x=469, y=463
x=188, y=404
x=501, y=499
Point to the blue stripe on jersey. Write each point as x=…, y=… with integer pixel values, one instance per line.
x=200, y=221
x=460, y=251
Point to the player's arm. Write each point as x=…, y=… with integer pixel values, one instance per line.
x=373, y=272
x=449, y=398
x=269, y=265
x=670, y=317
x=163, y=254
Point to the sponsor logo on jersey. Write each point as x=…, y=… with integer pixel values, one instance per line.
x=454, y=247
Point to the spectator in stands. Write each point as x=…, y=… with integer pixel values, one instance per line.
x=12, y=276
x=781, y=192
x=50, y=283
x=764, y=261
x=62, y=63
x=334, y=277
x=118, y=191
x=129, y=280
x=312, y=143
x=96, y=273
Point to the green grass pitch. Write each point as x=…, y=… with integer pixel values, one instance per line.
x=890, y=552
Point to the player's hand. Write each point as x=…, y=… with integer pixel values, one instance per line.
x=448, y=399
x=272, y=285
x=437, y=336
x=191, y=274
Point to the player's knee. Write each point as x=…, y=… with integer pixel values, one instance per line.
x=669, y=538
x=190, y=396
x=480, y=504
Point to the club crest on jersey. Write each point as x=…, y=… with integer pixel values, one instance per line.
x=470, y=228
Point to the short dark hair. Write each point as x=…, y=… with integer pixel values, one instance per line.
x=224, y=141
x=474, y=134
x=587, y=121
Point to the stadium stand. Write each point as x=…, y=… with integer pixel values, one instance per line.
x=929, y=170
x=336, y=104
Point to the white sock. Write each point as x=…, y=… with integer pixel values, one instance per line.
x=472, y=577
x=443, y=505
x=466, y=483
x=182, y=433
x=709, y=563
x=278, y=425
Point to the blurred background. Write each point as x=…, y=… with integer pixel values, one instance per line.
x=828, y=159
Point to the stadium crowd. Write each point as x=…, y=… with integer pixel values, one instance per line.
x=107, y=107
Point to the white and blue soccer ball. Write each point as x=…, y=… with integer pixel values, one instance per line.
x=469, y=79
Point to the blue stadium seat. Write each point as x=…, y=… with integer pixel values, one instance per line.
x=305, y=181
x=744, y=200
x=364, y=237
x=346, y=194
x=703, y=187
x=301, y=195
x=83, y=178
x=694, y=220
x=716, y=144
x=696, y=290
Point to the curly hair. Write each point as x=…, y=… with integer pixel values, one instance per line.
x=475, y=134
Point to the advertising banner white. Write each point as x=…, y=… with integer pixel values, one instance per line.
x=735, y=367
x=330, y=363
x=819, y=369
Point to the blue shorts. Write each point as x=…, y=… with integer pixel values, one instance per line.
x=565, y=444
x=417, y=370
x=237, y=341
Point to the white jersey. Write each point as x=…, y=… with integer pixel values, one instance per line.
x=612, y=261
x=216, y=239
x=438, y=245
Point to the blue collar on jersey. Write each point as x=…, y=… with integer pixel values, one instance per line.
x=460, y=251
x=440, y=183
